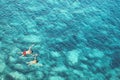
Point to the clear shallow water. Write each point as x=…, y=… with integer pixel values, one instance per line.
x=75, y=39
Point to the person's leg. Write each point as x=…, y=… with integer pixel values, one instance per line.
x=19, y=52
x=21, y=56
x=28, y=63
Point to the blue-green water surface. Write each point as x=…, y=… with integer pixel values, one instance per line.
x=74, y=39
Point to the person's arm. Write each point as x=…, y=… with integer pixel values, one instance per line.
x=31, y=46
x=39, y=64
x=34, y=55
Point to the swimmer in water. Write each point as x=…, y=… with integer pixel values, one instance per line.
x=29, y=51
x=35, y=61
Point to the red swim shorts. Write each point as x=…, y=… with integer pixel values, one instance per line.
x=24, y=53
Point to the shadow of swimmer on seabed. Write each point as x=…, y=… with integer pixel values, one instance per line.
x=29, y=52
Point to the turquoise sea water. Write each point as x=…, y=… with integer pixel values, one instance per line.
x=75, y=39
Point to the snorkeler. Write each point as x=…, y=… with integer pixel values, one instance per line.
x=35, y=61
x=29, y=51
